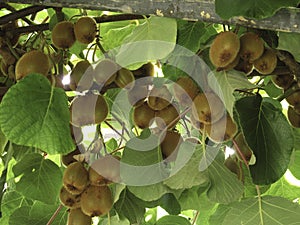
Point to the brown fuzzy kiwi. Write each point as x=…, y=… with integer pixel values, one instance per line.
x=146, y=70
x=222, y=130
x=96, y=200
x=252, y=47
x=232, y=165
x=63, y=36
x=294, y=99
x=224, y=49
x=143, y=115
x=67, y=159
x=208, y=108
x=185, y=90
x=231, y=65
x=75, y=178
x=77, y=217
x=137, y=95
x=81, y=77
x=167, y=117
x=125, y=79
x=283, y=81
x=69, y=200
x=293, y=117
x=34, y=61
x=105, y=72
x=244, y=66
x=267, y=62
x=170, y=144
x=9, y=36
x=243, y=146
x=85, y=29
x=88, y=109
x=105, y=170
x=159, y=98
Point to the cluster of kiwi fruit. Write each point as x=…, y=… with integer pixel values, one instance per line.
x=85, y=192
x=65, y=33
x=229, y=51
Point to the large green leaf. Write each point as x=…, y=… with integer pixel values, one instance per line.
x=185, y=173
x=269, y=135
x=288, y=41
x=37, y=214
x=130, y=207
x=189, y=34
x=295, y=165
x=154, y=39
x=253, y=9
x=284, y=189
x=32, y=113
x=224, y=185
x=268, y=211
x=224, y=83
x=172, y=220
x=39, y=176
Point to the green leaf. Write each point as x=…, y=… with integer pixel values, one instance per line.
x=3, y=142
x=283, y=188
x=40, y=176
x=265, y=128
x=150, y=192
x=288, y=41
x=295, y=165
x=253, y=9
x=130, y=207
x=224, y=185
x=224, y=83
x=189, y=34
x=12, y=200
x=268, y=211
x=32, y=113
x=173, y=220
x=168, y=202
x=37, y=214
x=114, y=220
x=185, y=173
x=155, y=39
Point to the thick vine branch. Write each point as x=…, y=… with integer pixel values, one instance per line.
x=290, y=62
x=20, y=14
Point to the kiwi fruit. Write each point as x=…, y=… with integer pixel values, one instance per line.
x=76, y=134
x=231, y=65
x=294, y=98
x=82, y=112
x=85, y=29
x=146, y=70
x=252, y=47
x=81, y=77
x=63, y=36
x=34, y=61
x=283, y=81
x=9, y=36
x=137, y=95
x=105, y=72
x=208, y=108
x=233, y=166
x=143, y=115
x=266, y=63
x=77, y=217
x=185, y=90
x=293, y=117
x=159, y=98
x=244, y=66
x=96, y=200
x=124, y=79
x=243, y=146
x=196, y=123
x=224, y=49
x=222, y=130
x=75, y=178
x=167, y=117
x=6, y=55
x=69, y=200
x=170, y=144
x=67, y=159
x=105, y=170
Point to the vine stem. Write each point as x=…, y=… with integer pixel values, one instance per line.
x=259, y=204
x=195, y=217
x=286, y=94
x=240, y=153
x=111, y=127
x=55, y=214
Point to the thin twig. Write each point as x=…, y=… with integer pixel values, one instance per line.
x=55, y=214
x=240, y=153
